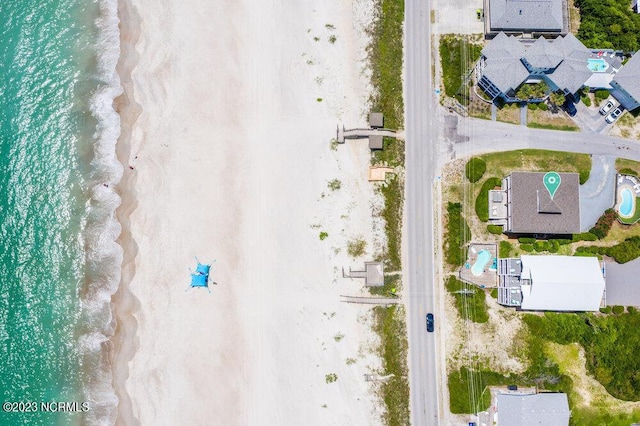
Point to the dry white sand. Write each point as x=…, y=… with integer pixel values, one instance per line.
x=231, y=159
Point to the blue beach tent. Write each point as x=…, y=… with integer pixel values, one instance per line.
x=200, y=278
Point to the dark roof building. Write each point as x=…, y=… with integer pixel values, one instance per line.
x=526, y=16
x=626, y=84
x=548, y=409
x=532, y=210
x=507, y=62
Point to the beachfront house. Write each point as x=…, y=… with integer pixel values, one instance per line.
x=563, y=64
x=524, y=205
x=626, y=84
x=551, y=283
x=534, y=17
x=523, y=409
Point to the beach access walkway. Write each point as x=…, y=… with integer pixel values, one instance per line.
x=375, y=132
x=371, y=300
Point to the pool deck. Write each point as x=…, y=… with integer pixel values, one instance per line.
x=489, y=278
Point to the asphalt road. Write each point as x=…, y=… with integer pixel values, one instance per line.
x=421, y=161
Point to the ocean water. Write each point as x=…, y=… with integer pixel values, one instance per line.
x=59, y=264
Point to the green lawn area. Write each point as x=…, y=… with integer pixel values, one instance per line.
x=629, y=167
x=502, y=163
x=509, y=113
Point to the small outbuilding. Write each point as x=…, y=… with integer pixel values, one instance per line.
x=376, y=120
x=373, y=274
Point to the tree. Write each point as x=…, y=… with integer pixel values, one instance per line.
x=557, y=98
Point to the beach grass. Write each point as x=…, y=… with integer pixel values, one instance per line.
x=385, y=57
x=390, y=325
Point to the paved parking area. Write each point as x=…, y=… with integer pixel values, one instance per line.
x=589, y=119
x=622, y=285
x=598, y=193
x=457, y=17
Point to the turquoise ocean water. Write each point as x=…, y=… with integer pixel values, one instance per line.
x=59, y=264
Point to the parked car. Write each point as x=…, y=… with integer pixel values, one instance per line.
x=607, y=107
x=569, y=107
x=430, y=323
x=613, y=116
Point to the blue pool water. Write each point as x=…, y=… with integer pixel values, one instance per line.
x=597, y=65
x=483, y=258
x=626, y=207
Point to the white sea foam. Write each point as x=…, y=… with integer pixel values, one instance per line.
x=104, y=255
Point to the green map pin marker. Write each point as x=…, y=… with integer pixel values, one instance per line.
x=551, y=182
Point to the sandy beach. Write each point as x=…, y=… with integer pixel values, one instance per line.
x=229, y=110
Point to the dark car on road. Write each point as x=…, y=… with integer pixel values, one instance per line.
x=430, y=323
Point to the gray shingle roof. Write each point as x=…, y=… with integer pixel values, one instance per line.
x=629, y=76
x=566, y=54
x=526, y=15
x=533, y=211
x=572, y=71
x=504, y=68
x=542, y=54
x=547, y=409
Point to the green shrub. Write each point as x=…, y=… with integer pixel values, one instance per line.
x=601, y=95
x=532, y=106
x=617, y=310
x=494, y=293
x=584, y=176
x=526, y=240
x=541, y=246
x=606, y=310
x=632, y=309
x=605, y=222
x=628, y=171
x=561, y=241
x=585, y=236
x=527, y=247
x=543, y=106
x=494, y=229
x=458, y=234
x=505, y=249
x=482, y=202
x=586, y=100
x=475, y=168
x=554, y=246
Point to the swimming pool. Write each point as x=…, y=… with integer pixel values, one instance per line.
x=626, y=207
x=597, y=65
x=483, y=258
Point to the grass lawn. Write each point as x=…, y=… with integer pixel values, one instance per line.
x=623, y=163
x=619, y=232
x=547, y=120
x=502, y=163
x=510, y=113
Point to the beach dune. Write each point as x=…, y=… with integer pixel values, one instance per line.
x=229, y=161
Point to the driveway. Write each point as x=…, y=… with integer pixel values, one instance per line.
x=622, y=285
x=598, y=193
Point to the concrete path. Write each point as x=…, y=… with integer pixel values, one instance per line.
x=371, y=300
x=523, y=115
x=598, y=193
x=494, y=112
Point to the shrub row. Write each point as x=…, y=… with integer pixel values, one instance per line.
x=604, y=223
x=628, y=171
x=622, y=252
x=585, y=236
x=458, y=234
x=494, y=229
x=482, y=202
x=475, y=168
